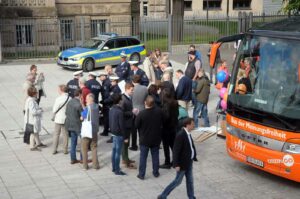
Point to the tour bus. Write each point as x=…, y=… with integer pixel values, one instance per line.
x=263, y=122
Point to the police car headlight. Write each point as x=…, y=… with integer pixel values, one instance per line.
x=75, y=59
x=292, y=146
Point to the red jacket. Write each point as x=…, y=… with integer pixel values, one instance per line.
x=85, y=91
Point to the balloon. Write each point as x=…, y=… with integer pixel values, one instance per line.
x=222, y=92
x=224, y=105
x=225, y=97
x=221, y=76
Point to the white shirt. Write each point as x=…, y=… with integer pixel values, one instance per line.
x=190, y=141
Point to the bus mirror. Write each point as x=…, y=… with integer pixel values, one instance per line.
x=213, y=53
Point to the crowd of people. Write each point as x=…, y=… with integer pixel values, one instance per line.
x=132, y=101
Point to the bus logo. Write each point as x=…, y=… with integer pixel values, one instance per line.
x=239, y=145
x=288, y=160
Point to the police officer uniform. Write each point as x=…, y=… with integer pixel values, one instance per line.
x=108, y=102
x=105, y=92
x=140, y=72
x=94, y=86
x=73, y=84
x=123, y=69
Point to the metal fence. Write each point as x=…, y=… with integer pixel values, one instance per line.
x=46, y=37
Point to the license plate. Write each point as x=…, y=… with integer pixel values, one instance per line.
x=255, y=161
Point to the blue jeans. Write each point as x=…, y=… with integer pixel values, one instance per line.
x=143, y=160
x=116, y=153
x=194, y=86
x=199, y=107
x=177, y=181
x=74, y=138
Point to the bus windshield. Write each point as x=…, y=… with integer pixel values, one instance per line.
x=266, y=77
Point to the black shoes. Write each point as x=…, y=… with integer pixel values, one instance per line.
x=104, y=133
x=156, y=175
x=165, y=166
x=120, y=173
x=110, y=140
x=133, y=148
x=140, y=177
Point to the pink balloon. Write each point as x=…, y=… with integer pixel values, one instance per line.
x=224, y=105
x=222, y=92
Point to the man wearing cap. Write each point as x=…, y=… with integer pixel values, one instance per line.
x=135, y=70
x=193, y=66
x=123, y=68
x=191, y=71
x=73, y=84
x=105, y=92
x=94, y=85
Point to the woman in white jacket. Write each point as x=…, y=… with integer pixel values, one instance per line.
x=33, y=115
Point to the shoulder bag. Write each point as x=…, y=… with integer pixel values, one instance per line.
x=28, y=129
x=53, y=117
x=86, y=128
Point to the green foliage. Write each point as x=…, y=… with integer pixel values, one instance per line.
x=291, y=6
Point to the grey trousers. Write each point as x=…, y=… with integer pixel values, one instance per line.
x=60, y=128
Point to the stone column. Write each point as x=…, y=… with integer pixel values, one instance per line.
x=177, y=21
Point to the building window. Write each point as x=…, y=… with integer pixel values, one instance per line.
x=98, y=26
x=241, y=4
x=67, y=29
x=145, y=8
x=212, y=4
x=24, y=35
x=188, y=5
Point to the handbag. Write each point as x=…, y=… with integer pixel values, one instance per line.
x=86, y=127
x=53, y=117
x=28, y=130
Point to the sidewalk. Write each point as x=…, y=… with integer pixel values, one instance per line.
x=34, y=175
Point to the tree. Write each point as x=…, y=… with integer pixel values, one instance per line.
x=291, y=7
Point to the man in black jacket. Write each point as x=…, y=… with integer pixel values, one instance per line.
x=116, y=124
x=149, y=123
x=184, y=153
x=127, y=107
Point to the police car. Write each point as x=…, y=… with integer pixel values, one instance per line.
x=100, y=51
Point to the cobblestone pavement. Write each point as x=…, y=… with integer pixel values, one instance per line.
x=26, y=174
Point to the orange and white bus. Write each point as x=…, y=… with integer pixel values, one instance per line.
x=263, y=124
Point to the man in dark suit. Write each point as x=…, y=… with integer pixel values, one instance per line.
x=126, y=105
x=135, y=70
x=184, y=153
x=184, y=90
x=149, y=124
x=123, y=69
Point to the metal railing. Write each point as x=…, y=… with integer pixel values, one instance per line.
x=46, y=37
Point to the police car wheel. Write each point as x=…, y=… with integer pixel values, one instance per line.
x=88, y=65
x=135, y=57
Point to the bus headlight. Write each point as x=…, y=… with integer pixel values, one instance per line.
x=292, y=146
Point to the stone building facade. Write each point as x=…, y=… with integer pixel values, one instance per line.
x=40, y=25
x=160, y=8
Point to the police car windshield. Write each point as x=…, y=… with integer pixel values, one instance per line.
x=92, y=43
x=269, y=70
